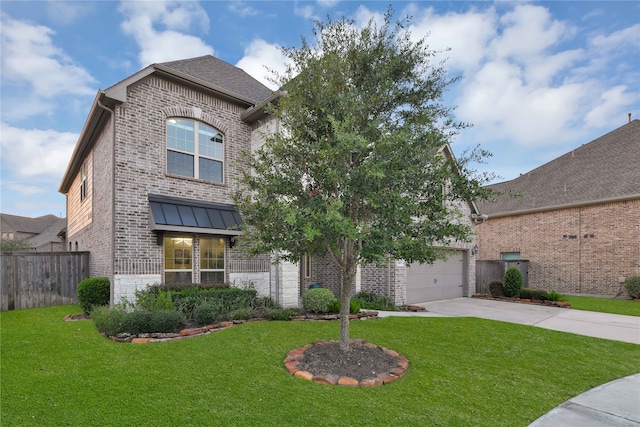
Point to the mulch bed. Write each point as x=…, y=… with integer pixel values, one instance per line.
x=364, y=364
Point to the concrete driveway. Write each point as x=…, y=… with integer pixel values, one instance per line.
x=600, y=325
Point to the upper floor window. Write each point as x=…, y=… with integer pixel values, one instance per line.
x=509, y=256
x=194, y=150
x=83, y=181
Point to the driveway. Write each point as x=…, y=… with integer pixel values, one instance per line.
x=600, y=325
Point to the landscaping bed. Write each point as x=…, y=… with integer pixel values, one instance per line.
x=561, y=304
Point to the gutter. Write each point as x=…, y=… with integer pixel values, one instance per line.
x=566, y=206
x=113, y=191
x=252, y=114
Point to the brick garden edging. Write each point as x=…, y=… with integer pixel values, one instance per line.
x=292, y=361
x=561, y=304
x=144, y=338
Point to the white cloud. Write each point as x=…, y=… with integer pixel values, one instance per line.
x=611, y=102
x=260, y=54
x=328, y=3
x=305, y=11
x=171, y=43
x=67, y=12
x=30, y=57
x=25, y=190
x=242, y=9
x=30, y=153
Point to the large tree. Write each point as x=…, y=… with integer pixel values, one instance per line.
x=357, y=170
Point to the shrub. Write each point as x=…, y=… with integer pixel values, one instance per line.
x=632, y=284
x=372, y=301
x=154, y=300
x=143, y=321
x=93, y=292
x=496, y=288
x=241, y=314
x=525, y=293
x=317, y=300
x=206, y=313
x=538, y=294
x=108, y=321
x=187, y=299
x=354, y=306
x=555, y=296
x=512, y=282
x=281, y=314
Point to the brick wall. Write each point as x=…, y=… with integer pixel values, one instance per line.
x=581, y=250
x=89, y=221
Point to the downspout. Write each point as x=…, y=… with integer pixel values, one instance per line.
x=389, y=279
x=112, y=113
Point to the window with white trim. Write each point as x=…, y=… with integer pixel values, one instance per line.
x=178, y=256
x=212, y=259
x=194, y=150
x=84, y=169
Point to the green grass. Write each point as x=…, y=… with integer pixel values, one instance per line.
x=462, y=372
x=605, y=305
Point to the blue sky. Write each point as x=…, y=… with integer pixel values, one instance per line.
x=539, y=78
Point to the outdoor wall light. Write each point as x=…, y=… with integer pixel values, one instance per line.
x=474, y=250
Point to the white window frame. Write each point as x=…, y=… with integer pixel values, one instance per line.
x=224, y=260
x=84, y=172
x=196, y=150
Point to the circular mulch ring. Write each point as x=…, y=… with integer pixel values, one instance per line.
x=365, y=364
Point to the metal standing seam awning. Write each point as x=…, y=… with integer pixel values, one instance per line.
x=192, y=216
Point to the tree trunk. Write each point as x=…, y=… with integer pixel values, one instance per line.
x=348, y=274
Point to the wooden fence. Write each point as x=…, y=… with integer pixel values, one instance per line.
x=488, y=271
x=41, y=279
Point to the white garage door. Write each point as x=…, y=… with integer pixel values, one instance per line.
x=442, y=280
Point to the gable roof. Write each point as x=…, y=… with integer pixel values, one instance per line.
x=205, y=73
x=221, y=74
x=605, y=169
x=27, y=225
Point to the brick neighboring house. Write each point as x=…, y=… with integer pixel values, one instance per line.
x=575, y=219
x=149, y=188
x=42, y=234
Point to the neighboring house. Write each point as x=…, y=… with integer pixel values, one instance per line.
x=575, y=219
x=42, y=234
x=149, y=190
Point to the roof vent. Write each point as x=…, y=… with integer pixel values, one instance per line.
x=629, y=116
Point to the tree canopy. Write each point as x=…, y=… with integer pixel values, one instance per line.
x=357, y=170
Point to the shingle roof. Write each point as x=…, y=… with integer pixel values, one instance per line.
x=15, y=223
x=221, y=74
x=606, y=168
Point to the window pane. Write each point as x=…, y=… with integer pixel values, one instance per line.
x=212, y=277
x=177, y=253
x=210, y=142
x=179, y=164
x=177, y=277
x=211, y=253
x=210, y=170
x=180, y=134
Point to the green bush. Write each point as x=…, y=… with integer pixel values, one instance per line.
x=206, y=313
x=154, y=300
x=281, y=314
x=373, y=301
x=555, y=296
x=354, y=306
x=525, y=293
x=187, y=299
x=317, y=300
x=93, y=292
x=143, y=321
x=496, y=288
x=538, y=294
x=512, y=282
x=241, y=314
x=108, y=321
x=632, y=284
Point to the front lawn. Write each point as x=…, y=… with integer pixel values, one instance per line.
x=462, y=372
x=605, y=305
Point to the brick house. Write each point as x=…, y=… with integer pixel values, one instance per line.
x=575, y=219
x=42, y=234
x=149, y=187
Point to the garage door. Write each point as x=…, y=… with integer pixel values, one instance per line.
x=442, y=280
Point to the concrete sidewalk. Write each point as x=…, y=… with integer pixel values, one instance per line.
x=614, y=404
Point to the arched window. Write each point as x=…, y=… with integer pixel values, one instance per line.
x=194, y=150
